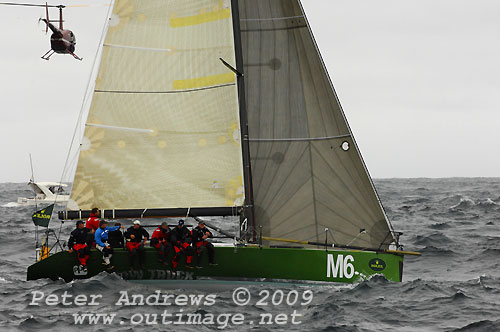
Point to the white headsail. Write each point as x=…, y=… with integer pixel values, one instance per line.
x=163, y=129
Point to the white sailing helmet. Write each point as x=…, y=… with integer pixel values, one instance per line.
x=137, y=222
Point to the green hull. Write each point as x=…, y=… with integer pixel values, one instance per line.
x=242, y=263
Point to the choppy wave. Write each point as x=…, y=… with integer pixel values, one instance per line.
x=488, y=202
x=431, y=250
x=441, y=225
x=11, y=204
x=453, y=286
x=432, y=239
x=464, y=203
x=481, y=326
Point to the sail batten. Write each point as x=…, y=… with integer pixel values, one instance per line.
x=292, y=139
x=171, y=91
x=271, y=18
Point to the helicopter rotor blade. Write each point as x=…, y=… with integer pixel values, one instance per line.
x=52, y=6
x=47, y=15
x=26, y=4
x=93, y=5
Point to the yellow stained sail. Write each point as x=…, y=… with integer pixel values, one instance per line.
x=163, y=129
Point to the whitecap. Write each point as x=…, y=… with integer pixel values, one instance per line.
x=488, y=202
x=11, y=204
x=464, y=203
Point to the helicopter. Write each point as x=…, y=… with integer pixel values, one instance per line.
x=61, y=41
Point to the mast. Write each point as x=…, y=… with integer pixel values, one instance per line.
x=245, y=146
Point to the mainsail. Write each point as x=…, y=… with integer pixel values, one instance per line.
x=163, y=129
x=307, y=172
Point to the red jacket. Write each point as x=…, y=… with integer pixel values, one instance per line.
x=92, y=222
x=160, y=234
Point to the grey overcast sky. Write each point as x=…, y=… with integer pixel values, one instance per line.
x=418, y=80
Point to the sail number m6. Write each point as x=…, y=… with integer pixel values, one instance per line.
x=340, y=268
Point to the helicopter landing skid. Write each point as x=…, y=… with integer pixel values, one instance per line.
x=50, y=52
x=75, y=56
x=47, y=56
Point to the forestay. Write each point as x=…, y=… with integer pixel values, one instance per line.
x=163, y=129
x=307, y=172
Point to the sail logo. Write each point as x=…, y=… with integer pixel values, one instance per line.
x=341, y=267
x=41, y=215
x=376, y=264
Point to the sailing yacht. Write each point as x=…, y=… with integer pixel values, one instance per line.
x=225, y=108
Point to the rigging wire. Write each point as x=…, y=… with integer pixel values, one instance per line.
x=84, y=100
x=86, y=96
x=51, y=6
x=36, y=207
x=33, y=179
x=30, y=5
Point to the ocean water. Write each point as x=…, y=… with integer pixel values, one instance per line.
x=453, y=286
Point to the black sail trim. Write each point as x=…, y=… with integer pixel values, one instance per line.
x=152, y=213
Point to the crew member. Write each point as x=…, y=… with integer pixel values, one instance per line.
x=180, y=237
x=79, y=243
x=159, y=240
x=136, y=237
x=115, y=238
x=101, y=238
x=200, y=234
x=93, y=220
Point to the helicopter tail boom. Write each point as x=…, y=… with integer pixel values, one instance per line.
x=50, y=25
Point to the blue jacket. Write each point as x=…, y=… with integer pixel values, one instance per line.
x=101, y=235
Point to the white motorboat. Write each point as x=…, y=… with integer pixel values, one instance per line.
x=45, y=193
